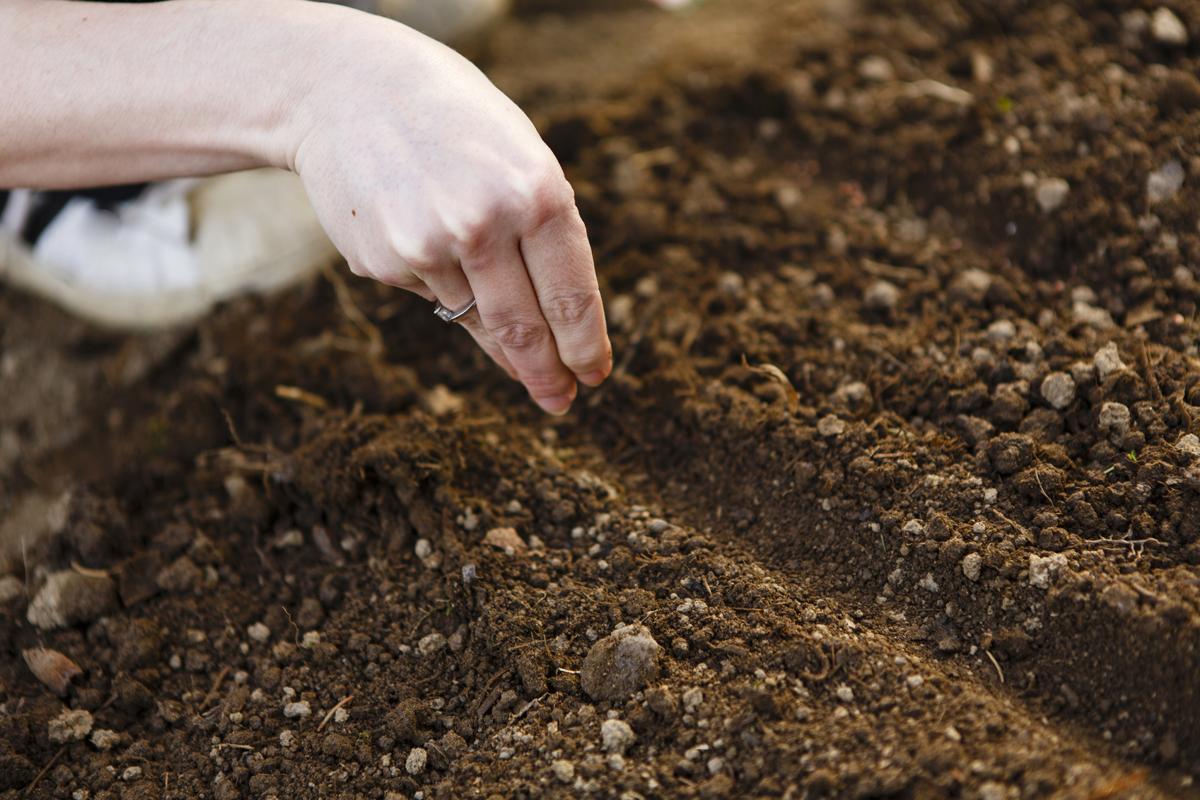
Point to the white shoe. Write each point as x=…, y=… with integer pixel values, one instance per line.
x=168, y=255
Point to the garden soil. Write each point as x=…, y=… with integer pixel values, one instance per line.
x=894, y=491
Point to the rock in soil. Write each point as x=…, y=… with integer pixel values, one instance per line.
x=620, y=664
x=69, y=597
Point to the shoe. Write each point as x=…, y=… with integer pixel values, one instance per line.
x=162, y=254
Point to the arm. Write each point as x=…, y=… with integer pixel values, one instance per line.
x=424, y=175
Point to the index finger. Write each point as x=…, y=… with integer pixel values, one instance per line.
x=559, y=261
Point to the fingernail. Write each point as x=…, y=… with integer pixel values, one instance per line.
x=594, y=378
x=556, y=405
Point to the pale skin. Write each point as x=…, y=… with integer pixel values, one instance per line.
x=424, y=175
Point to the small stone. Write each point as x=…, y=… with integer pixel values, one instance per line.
x=69, y=597
x=1107, y=361
x=1001, y=331
x=929, y=584
x=287, y=739
x=564, y=771
x=131, y=773
x=72, y=725
x=1051, y=193
x=10, y=589
x=1189, y=443
x=1091, y=316
x=1043, y=569
x=844, y=693
x=441, y=402
x=299, y=709
x=259, y=632
x=881, y=296
x=1058, y=389
x=831, y=425
x=416, y=761
x=876, y=68
x=104, y=739
x=620, y=664
x=692, y=699
x=52, y=668
x=1167, y=28
x=972, y=285
x=1164, y=182
x=616, y=735
x=431, y=643
x=972, y=563
x=914, y=527
x=992, y=791
x=181, y=575
x=1115, y=419
x=423, y=549
x=506, y=539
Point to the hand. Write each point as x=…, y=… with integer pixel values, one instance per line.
x=427, y=177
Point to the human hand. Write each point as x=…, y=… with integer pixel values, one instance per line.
x=426, y=177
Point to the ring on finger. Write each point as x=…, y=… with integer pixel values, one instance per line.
x=451, y=315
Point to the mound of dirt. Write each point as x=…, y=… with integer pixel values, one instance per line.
x=897, y=480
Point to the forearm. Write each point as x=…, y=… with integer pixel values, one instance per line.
x=101, y=93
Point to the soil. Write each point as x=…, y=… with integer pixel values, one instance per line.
x=897, y=465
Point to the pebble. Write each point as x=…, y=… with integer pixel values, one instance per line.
x=287, y=739
x=506, y=539
x=104, y=739
x=10, y=588
x=1166, y=28
x=1051, y=193
x=831, y=425
x=1164, y=182
x=299, y=709
x=1043, y=569
x=692, y=699
x=914, y=527
x=1058, y=389
x=131, y=773
x=845, y=693
x=1115, y=418
x=1001, y=331
x=1092, y=316
x=431, y=643
x=69, y=597
x=881, y=296
x=72, y=725
x=616, y=736
x=416, y=761
x=1189, y=443
x=972, y=563
x=876, y=68
x=1108, y=361
x=52, y=668
x=972, y=285
x=259, y=632
x=563, y=770
x=423, y=549
x=620, y=664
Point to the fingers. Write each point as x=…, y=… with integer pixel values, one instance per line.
x=508, y=308
x=447, y=283
x=559, y=261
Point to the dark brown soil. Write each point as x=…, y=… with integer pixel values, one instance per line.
x=827, y=475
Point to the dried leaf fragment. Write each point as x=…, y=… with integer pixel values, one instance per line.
x=52, y=668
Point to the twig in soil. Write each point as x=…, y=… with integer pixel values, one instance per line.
x=37, y=778
x=568, y=671
x=1151, y=378
x=329, y=714
x=525, y=708
x=298, y=395
x=216, y=687
x=1018, y=527
x=88, y=572
x=235, y=746
x=1119, y=785
x=995, y=663
x=355, y=314
x=295, y=627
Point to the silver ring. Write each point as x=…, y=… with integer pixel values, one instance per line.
x=448, y=315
